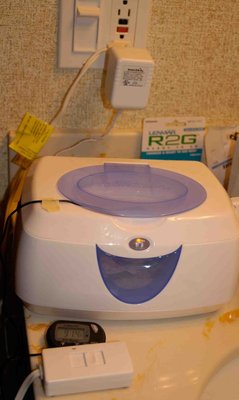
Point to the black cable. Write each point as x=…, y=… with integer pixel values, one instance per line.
x=19, y=207
x=5, y=230
x=12, y=315
x=18, y=358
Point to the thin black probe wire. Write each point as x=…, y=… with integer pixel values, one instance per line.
x=2, y=259
x=11, y=214
x=19, y=207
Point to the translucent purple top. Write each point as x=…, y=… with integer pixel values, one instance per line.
x=131, y=190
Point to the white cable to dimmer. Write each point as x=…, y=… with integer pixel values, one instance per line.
x=82, y=368
x=128, y=77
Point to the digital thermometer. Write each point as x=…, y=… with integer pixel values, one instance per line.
x=68, y=333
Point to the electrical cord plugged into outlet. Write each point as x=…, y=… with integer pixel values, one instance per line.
x=128, y=70
x=130, y=66
x=128, y=78
x=84, y=368
x=86, y=28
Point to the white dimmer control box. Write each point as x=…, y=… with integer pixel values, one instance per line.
x=86, y=368
x=128, y=77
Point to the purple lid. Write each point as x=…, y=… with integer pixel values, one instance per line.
x=131, y=190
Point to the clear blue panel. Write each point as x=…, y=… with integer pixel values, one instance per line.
x=136, y=280
x=131, y=190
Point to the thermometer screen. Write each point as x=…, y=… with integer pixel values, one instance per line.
x=72, y=334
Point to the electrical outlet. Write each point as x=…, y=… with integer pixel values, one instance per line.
x=88, y=25
x=123, y=20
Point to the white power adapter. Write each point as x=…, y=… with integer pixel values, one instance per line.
x=75, y=369
x=128, y=77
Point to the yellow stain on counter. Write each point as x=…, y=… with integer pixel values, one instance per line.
x=38, y=327
x=229, y=317
x=208, y=327
x=36, y=349
x=155, y=347
x=139, y=378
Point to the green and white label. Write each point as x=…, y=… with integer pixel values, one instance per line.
x=167, y=138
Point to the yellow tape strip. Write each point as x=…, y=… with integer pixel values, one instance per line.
x=50, y=205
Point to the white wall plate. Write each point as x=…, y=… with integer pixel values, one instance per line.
x=88, y=25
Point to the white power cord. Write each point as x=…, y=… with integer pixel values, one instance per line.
x=70, y=92
x=108, y=129
x=26, y=384
x=75, y=82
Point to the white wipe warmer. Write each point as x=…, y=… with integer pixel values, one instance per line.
x=134, y=240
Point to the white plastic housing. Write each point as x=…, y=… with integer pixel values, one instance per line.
x=56, y=264
x=128, y=77
x=86, y=368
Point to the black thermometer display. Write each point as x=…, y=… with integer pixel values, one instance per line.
x=70, y=333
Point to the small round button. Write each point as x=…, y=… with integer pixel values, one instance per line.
x=139, y=244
